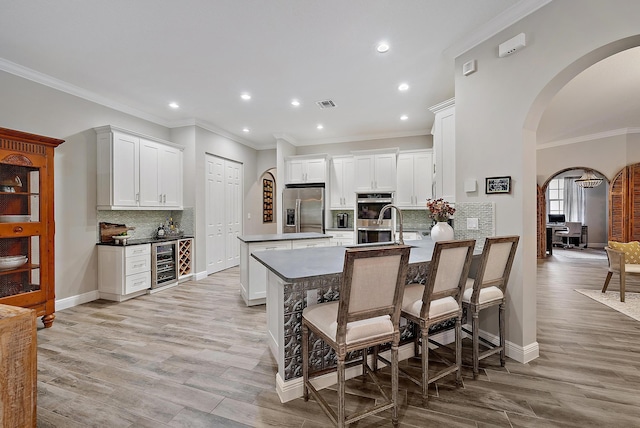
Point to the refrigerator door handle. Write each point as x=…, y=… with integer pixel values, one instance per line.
x=297, y=215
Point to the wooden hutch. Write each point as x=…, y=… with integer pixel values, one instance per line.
x=27, y=222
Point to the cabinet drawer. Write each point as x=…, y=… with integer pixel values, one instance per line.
x=8, y=230
x=137, y=282
x=137, y=250
x=274, y=245
x=342, y=235
x=137, y=264
x=310, y=243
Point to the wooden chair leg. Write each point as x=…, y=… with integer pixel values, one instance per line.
x=623, y=285
x=475, y=326
x=305, y=361
x=425, y=364
x=501, y=316
x=416, y=340
x=459, y=352
x=606, y=281
x=341, y=392
x=394, y=383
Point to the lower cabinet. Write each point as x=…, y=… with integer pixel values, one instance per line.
x=341, y=238
x=253, y=275
x=123, y=272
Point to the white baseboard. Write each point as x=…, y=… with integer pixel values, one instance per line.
x=70, y=302
x=522, y=354
x=200, y=275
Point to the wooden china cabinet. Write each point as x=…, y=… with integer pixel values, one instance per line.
x=27, y=222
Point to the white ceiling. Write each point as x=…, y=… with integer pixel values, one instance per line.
x=137, y=56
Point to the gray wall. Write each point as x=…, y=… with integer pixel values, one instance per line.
x=498, y=110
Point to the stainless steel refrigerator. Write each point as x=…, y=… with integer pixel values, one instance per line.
x=303, y=208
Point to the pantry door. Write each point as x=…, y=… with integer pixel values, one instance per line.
x=223, y=212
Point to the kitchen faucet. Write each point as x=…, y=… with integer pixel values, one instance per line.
x=386, y=207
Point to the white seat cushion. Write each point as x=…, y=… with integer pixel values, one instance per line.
x=324, y=316
x=488, y=294
x=412, y=303
x=632, y=268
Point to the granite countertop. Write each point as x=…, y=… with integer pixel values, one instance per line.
x=294, y=265
x=282, y=237
x=140, y=241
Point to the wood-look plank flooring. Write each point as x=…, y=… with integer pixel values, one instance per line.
x=196, y=356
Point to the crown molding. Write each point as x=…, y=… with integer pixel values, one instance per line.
x=208, y=126
x=506, y=19
x=52, y=82
x=348, y=139
x=589, y=137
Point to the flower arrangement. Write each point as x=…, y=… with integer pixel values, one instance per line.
x=439, y=209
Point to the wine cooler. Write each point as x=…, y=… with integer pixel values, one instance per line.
x=164, y=264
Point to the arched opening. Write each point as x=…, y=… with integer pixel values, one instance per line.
x=269, y=192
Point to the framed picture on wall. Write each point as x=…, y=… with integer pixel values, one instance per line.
x=498, y=185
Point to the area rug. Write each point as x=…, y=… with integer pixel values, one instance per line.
x=630, y=307
x=584, y=253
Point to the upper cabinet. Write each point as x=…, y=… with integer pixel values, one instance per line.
x=137, y=172
x=375, y=170
x=306, y=169
x=444, y=150
x=343, y=193
x=415, y=179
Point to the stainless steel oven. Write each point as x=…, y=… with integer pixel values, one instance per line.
x=164, y=264
x=368, y=210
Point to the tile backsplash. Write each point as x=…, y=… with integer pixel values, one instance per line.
x=146, y=223
x=484, y=212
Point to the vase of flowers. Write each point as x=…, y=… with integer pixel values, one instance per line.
x=440, y=211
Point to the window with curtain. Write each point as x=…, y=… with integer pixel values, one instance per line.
x=574, y=203
x=555, y=196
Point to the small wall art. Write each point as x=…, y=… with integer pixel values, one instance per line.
x=498, y=185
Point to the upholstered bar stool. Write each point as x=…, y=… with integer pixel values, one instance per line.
x=487, y=289
x=367, y=314
x=438, y=300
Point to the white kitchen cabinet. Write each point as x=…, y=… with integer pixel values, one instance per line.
x=341, y=238
x=444, y=150
x=309, y=243
x=123, y=271
x=137, y=172
x=343, y=193
x=375, y=171
x=415, y=179
x=160, y=175
x=306, y=169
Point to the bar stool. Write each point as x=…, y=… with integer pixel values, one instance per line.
x=436, y=301
x=487, y=289
x=367, y=314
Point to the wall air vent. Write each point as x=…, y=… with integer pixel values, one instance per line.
x=326, y=104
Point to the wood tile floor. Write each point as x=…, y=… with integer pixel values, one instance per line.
x=196, y=356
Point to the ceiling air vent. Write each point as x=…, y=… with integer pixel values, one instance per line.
x=326, y=104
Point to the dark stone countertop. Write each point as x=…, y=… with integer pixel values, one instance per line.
x=140, y=241
x=282, y=237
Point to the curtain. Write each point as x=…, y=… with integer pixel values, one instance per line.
x=574, y=203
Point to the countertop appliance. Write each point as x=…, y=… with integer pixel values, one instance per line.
x=343, y=220
x=303, y=208
x=368, y=210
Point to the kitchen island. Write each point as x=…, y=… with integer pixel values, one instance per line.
x=304, y=277
x=253, y=275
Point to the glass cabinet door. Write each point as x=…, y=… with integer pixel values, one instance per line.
x=20, y=230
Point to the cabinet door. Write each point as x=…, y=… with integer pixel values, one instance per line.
x=125, y=170
x=337, y=181
x=170, y=176
x=348, y=187
x=364, y=167
x=422, y=179
x=405, y=195
x=150, y=195
x=295, y=171
x=257, y=271
x=385, y=172
x=316, y=171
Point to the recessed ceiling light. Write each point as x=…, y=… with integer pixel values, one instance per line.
x=174, y=105
x=404, y=117
x=245, y=129
x=382, y=47
x=320, y=126
x=295, y=103
x=403, y=87
x=245, y=96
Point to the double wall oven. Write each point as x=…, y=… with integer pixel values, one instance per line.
x=368, y=210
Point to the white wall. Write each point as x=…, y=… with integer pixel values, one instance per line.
x=498, y=109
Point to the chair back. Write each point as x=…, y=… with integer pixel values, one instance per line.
x=615, y=258
x=373, y=281
x=495, y=264
x=448, y=272
x=574, y=228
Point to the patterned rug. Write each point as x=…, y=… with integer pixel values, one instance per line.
x=630, y=307
x=581, y=253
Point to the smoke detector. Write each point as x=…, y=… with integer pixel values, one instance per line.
x=326, y=104
x=512, y=45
